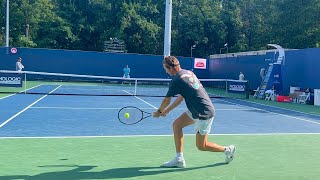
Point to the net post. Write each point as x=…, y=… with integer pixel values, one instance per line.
x=135, y=86
x=25, y=82
x=226, y=86
x=247, y=90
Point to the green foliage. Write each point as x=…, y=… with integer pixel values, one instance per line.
x=140, y=32
x=26, y=42
x=85, y=25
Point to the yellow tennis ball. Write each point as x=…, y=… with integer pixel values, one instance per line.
x=126, y=115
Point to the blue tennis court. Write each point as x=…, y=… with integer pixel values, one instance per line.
x=45, y=136
x=63, y=115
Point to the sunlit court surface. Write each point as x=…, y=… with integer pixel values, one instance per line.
x=45, y=136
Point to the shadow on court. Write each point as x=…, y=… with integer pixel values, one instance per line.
x=80, y=172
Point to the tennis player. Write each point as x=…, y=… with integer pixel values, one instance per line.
x=200, y=112
x=126, y=72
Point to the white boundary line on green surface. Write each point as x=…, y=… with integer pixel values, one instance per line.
x=169, y=135
x=8, y=120
x=301, y=119
x=7, y=96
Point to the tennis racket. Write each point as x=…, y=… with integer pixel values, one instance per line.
x=130, y=115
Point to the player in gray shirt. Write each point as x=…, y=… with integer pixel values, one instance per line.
x=200, y=112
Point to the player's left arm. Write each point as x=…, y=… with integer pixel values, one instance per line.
x=178, y=101
x=165, y=102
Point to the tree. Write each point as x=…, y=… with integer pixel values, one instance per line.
x=140, y=32
x=85, y=25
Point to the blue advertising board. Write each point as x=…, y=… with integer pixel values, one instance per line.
x=11, y=80
x=237, y=86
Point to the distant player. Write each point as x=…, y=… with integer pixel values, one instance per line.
x=241, y=76
x=126, y=72
x=19, y=65
x=200, y=112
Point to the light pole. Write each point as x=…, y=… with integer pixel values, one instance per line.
x=167, y=27
x=221, y=5
x=192, y=48
x=27, y=31
x=7, y=25
x=225, y=47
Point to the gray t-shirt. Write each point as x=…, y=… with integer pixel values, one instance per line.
x=197, y=100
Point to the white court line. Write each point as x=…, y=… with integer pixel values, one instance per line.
x=20, y=92
x=7, y=96
x=8, y=120
x=233, y=109
x=142, y=100
x=80, y=108
x=75, y=108
x=88, y=108
x=301, y=119
x=169, y=135
x=278, y=107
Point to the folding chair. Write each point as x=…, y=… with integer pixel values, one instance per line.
x=269, y=95
x=304, y=97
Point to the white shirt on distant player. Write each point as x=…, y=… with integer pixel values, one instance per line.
x=19, y=66
x=241, y=76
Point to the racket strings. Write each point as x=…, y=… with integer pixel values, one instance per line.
x=130, y=115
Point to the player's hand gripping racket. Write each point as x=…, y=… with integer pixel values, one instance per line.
x=132, y=115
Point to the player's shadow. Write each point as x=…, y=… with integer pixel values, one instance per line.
x=83, y=172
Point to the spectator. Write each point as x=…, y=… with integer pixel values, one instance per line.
x=19, y=65
x=262, y=73
x=241, y=76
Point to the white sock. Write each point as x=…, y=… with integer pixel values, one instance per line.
x=179, y=155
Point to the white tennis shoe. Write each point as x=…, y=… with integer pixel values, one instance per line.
x=230, y=153
x=176, y=162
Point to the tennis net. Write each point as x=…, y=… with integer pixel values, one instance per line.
x=29, y=82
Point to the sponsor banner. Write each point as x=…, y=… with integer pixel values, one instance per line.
x=236, y=87
x=200, y=63
x=13, y=50
x=11, y=80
